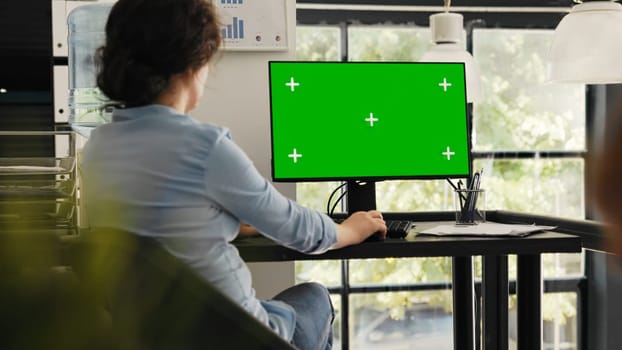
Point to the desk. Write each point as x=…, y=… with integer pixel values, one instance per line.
x=495, y=291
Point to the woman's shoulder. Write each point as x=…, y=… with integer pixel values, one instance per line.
x=210, y=128
x=211, y=133
x=199, y=138
x=184, y=124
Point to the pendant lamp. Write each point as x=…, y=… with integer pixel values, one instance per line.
x=587, y=45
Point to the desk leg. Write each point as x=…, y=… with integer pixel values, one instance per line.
x=529, y=294
x=345, y=304
x=462, y=285
x=495, y=302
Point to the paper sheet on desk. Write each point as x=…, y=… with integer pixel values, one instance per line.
x=485, y=229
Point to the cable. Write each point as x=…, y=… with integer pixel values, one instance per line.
x=332, y=210
x=457, y=189
x=330, y=198
x=337, y=202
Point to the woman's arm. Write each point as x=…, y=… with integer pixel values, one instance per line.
x=235, y=184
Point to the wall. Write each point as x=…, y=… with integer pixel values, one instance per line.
x=25, y=77
x=237, y=97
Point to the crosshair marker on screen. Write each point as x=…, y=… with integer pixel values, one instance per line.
x=295, y=155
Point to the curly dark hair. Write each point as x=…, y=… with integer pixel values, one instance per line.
x=148, y=41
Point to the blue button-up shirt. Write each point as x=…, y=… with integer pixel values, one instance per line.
x=159, y=173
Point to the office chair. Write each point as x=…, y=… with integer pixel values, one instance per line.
x=157, y=302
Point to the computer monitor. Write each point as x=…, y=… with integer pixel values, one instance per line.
x=363, y=122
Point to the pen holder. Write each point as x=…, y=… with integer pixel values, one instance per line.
x=470, y=206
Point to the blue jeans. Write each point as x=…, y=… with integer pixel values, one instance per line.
x=314, y=315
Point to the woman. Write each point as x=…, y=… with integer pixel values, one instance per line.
x=157, y=172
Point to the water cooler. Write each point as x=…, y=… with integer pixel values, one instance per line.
x=88, y=107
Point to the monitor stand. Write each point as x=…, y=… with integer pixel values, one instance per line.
x=361, y=196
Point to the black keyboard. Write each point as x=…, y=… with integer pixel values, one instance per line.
x=395, y=229
x=398, y=228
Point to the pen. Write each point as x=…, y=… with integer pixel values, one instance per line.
x=462, y=198
x=472, y=196
x=475, y=191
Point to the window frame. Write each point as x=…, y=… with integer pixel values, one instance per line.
x=503, y=14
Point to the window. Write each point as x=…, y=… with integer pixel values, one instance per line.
x=529, y=137
x=522, y=113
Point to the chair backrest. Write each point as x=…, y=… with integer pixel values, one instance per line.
x=157, y=302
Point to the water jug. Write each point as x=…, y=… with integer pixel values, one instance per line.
x=86, y=28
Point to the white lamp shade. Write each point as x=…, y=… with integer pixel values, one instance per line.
x=446, y=27
x=587, y=45
x=454, y=53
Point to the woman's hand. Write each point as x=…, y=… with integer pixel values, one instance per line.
x=358, y=226
x=247, y=230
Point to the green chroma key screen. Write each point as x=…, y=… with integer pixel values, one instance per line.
x=368, y=120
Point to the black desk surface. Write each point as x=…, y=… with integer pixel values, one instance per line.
x=262, y=249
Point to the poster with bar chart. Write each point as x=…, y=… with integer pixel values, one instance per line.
x=257, y=25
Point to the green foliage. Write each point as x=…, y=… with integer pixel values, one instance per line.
x=540, y=186
x=520, y=110
x=429, y=195
x=383, y=43
x=559, y=307
x=317, y=43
